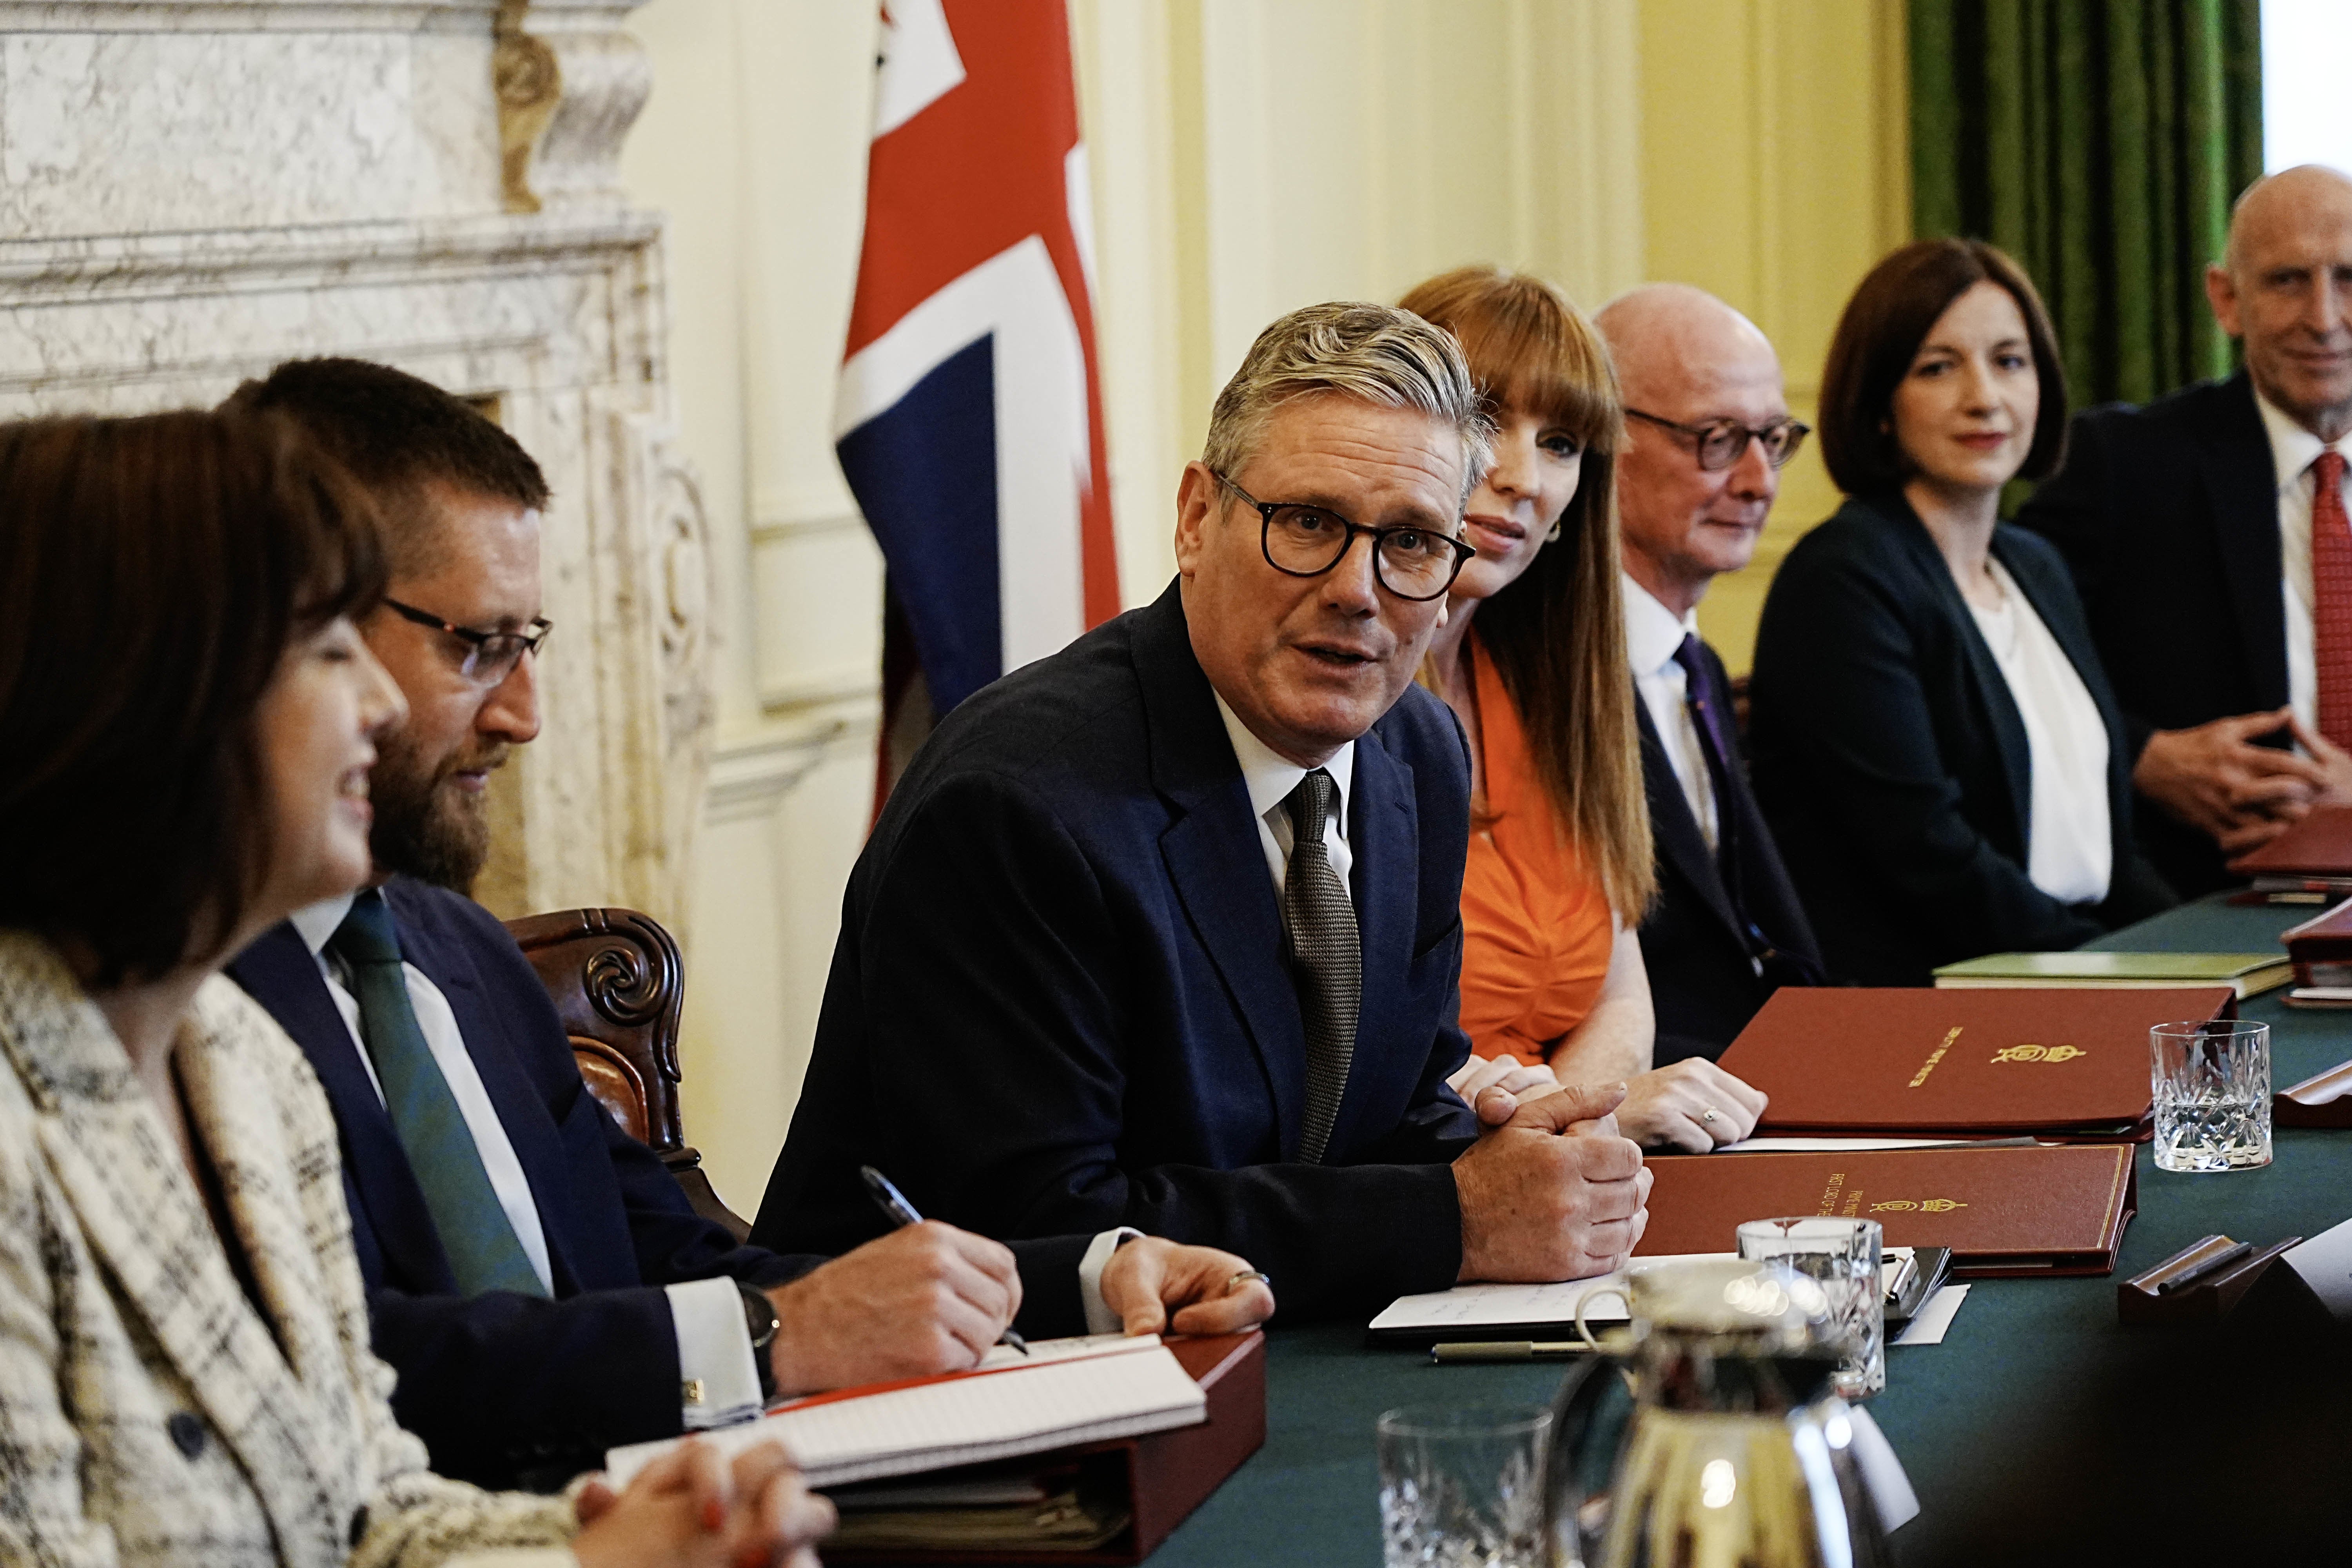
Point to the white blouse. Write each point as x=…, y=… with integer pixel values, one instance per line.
x=2070, y=842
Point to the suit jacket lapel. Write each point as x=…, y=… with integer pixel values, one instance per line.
x=280, y=972
x=530, y=1127
x=1984, y=673
x=1214, y=858
x=1384, y=886
x=1679, y=838
x=146, y=1223
x=2241, y=497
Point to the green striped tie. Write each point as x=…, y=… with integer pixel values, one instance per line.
x=474, y=1232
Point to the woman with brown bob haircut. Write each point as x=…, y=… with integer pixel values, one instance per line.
x=187, y=716
x=1531, y=658
x=1934, y=741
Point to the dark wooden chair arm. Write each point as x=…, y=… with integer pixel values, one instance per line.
x=617, y=983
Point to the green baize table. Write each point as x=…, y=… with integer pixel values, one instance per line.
x=2039, y=1431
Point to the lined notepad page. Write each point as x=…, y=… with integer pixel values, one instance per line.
x=1061, y=1401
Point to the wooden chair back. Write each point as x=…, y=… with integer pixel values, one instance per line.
x=618, y=985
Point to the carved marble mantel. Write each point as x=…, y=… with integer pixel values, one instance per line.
x=191, y=192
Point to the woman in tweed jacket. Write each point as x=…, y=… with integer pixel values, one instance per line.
x=186, y=711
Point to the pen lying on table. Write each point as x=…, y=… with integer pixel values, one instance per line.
x=892, y=1202
x=1507, y=1349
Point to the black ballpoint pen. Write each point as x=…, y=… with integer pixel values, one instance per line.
x=893, y=1203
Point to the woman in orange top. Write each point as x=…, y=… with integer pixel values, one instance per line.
x=1559, y=868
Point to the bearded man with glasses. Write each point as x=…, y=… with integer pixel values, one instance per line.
x=1163, y=931
x=537, y=1279
x=1707, y=433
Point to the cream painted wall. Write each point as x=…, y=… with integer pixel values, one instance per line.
x=1247, y=156
x=1775, y=170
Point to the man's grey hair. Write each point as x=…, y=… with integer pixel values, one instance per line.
x=1375, y=352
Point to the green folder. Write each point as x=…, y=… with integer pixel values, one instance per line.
x=2250, y=974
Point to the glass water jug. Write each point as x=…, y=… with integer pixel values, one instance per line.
x=1707, y=1435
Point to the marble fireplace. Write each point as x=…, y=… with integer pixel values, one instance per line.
x=191, y=192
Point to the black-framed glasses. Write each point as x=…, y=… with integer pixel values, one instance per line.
x=1722, y=442
x=490, y=657
x=1300, y=541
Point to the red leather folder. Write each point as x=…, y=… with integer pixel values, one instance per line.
x=2057, y=1063
x=1162, y=1476
x=2318, y=848
x=2003, y=1212
x=2322, y=947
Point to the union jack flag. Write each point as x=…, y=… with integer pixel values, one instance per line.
x=968, y=418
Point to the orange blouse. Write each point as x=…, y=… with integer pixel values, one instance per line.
x=1536, y=926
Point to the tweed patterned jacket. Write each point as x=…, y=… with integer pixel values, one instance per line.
x=148, y=1414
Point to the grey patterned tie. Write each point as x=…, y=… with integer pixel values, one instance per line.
x=1326, y=964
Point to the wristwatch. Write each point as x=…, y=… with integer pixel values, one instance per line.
x=759, y=1318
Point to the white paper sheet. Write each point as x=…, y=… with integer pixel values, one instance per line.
x=1928, y=1324
x=1496, y=1306
x=1491, y=1306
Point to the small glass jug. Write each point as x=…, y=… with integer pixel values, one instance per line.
x=1707, y=1436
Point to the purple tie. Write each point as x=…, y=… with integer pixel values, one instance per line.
x=1708, y=718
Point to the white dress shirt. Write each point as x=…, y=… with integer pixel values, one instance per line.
x=2070, y=842
x=2292, y=451
x=1653, y=634
x=1270, y=777
x=714, y=1343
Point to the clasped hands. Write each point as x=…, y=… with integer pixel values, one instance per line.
x=1555, y=1187
x=2215, y=778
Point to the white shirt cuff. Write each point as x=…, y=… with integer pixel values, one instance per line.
x=1101, y=1319
x=719, y=1382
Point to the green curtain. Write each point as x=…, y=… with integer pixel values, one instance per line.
x=2100, y=142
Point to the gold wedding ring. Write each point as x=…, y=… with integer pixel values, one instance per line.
x=1246, y=1274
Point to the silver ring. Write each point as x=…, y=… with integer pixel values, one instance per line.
x=1708, y=1115
x=1245, y=1275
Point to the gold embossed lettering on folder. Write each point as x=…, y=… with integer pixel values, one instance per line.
x=1965, y=1064
x=2052, y=1209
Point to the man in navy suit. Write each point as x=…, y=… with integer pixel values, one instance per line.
x=2192, y=528
x=1164, y=930
x=535, y=1277
x=1727, y=929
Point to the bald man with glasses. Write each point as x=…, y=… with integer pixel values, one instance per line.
x=1708, y=431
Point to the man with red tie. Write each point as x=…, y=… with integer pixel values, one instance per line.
x=2207, y=533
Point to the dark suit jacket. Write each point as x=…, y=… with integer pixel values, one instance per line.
x=503, y=1386
x=1060, y=976
x=1890, y=762
x=2169, y=516
x=1702, y=986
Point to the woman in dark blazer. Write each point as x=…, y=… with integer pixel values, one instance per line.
x=1933, y=740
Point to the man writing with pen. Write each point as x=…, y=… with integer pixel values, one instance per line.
x=534, y=1276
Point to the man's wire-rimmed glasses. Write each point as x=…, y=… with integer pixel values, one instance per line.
x=490, y=657
x=1722, y=442
x=1302, y=540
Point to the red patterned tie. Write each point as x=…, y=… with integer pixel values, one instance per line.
x=2331, y=597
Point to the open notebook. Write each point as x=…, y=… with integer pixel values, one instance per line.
x=1065, y=1392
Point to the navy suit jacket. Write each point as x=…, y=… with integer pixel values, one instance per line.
x=503, y=1386
x=2169, y=516
x=1703, y=988
x=1060, y=968
x=1891, y=761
